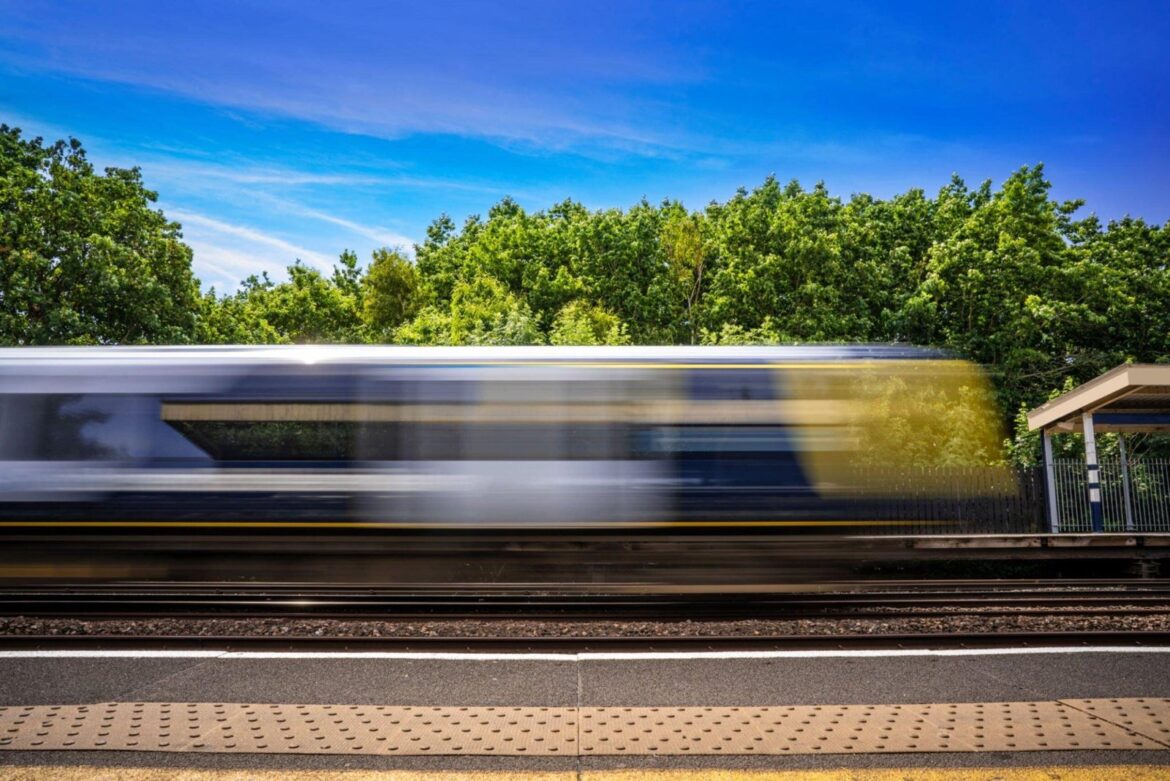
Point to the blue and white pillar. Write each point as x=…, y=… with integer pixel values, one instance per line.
x=1094, y=473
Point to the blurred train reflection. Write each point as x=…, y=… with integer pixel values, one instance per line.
x=790, y=438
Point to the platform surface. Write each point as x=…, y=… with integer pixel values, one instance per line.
x=534, y=713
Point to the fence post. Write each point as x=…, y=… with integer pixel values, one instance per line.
x=1125, y=489
x=1094, y=473
x=1050, y=484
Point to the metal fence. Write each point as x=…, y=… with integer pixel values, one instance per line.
x=1140, y=503
x=1135, y=497
x=949, y=500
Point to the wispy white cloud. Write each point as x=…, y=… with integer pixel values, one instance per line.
x=259, y=175
x=382, y=236
x=261, y=183
x=273, y=250
x=194, y=172
x=224, y=267
x=498, y=81
x=377, y=234
x=226, y=253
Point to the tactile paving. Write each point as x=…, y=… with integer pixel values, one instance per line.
x=290, y=729
x=547, y=731
x=1148, y=717
x=854, y=729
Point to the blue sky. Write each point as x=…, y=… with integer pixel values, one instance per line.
x=281, y=130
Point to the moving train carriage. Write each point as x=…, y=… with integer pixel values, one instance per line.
x=795, y=438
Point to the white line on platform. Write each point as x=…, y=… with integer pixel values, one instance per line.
x=432, y=656
x=128, y=653
x=584, y=656
x=866, y=654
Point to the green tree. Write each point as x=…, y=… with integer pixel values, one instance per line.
x=682, y=240
x=347, y=275
x=735, y=334
x=482, y=311
x=307, y=308
x=391, y=293
x=579, y=323
x=795, y=257
x=84, y=258
x=548, y=259
x=229, y=320
x=1001, y=290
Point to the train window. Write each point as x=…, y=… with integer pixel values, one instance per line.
x=731, y=385
x=43, y=427
x=271, y=440
x=76, y=427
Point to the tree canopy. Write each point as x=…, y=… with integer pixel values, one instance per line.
x=84, y=258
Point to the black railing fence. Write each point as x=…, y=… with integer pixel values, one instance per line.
x=950, y=500
x=1135, y=497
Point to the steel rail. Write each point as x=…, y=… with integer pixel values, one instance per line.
x=262, y=601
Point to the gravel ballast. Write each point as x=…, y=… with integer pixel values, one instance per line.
x=574, y=629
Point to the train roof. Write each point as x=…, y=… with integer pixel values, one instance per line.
x=327, y=371
x=380, y=355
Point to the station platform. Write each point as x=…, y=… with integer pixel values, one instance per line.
x=1157, y=543
x=207, y=712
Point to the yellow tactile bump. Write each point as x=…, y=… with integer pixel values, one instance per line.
x=545, y=731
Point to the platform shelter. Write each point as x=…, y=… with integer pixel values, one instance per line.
x=1127, y=399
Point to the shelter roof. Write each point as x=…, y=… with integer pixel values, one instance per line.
x=1130, y=397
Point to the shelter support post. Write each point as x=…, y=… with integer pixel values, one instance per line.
x=1094, y=473
x=1050, y=483
x=1125, y=486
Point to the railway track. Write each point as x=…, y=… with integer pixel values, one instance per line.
x=302, y=601
x=289, y=616
x=580, y=645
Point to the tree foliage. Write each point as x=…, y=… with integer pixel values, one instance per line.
x=84, y=256
x=580, y=323
x=309, y=307
x=390, y=293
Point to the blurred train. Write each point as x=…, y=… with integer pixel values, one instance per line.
x=537, y=438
